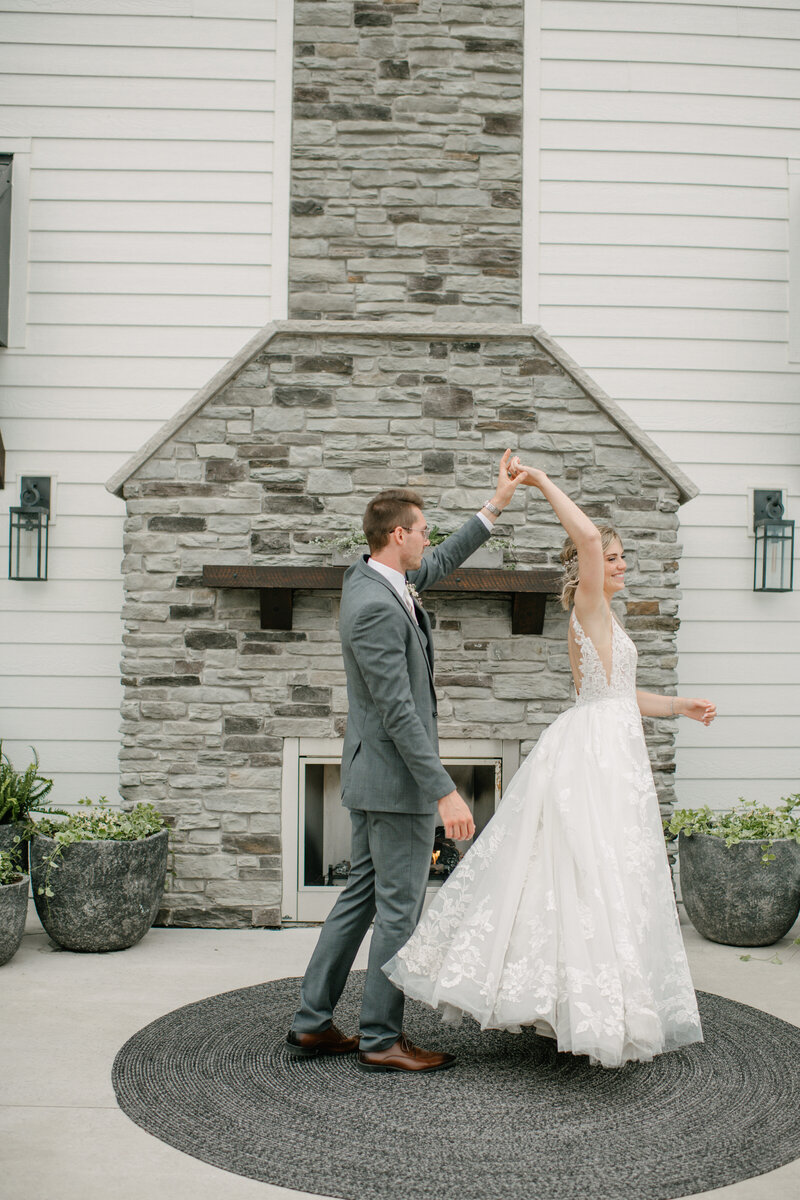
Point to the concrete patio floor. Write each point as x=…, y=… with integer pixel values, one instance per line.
x=66, y=1015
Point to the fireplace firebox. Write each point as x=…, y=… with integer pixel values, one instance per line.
x=316, y=827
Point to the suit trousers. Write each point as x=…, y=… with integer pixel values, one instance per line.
x=390, y=864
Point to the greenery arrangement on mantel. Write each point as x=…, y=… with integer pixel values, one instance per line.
x=352, y=541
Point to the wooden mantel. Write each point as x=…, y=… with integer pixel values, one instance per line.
x=528, y=589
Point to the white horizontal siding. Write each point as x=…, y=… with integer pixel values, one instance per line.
x=677, y=199
x=143, y=62
x=700, y=262
x=639, y=291
x=98, y=187
x=666, y=137
x=140, y=310
x=78, y=725
x=62, y=596
x=147, y=279
x=139, y=155
x=101, y=27
x=152, y=131
x=626, y=45
x=87, y=404
x=126, y=246
x=665, y=130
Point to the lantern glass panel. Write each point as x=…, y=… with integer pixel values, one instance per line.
x=27, y=544
x=774, y=556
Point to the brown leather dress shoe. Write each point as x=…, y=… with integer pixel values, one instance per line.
x=314, y=1045
x=403, y=1056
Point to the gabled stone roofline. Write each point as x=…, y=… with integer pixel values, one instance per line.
x=430, y=331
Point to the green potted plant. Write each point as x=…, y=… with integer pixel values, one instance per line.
x=740, y=870
x=13, y=905
x=21, y=793
x=98, y=876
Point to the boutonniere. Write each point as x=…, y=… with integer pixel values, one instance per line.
x=414, y=594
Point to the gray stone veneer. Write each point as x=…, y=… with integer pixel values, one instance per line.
x=286, y=447
x=406, y=162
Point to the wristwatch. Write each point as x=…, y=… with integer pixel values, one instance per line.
x=492, y=508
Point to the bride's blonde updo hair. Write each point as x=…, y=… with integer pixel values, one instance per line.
x=569, y=559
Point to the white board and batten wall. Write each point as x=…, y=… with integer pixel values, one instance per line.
x=661, y=151
x=156, y=222
x=667, y=137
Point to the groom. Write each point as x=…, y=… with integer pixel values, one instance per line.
x=393, y=781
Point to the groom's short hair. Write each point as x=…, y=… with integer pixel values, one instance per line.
x=386, y=511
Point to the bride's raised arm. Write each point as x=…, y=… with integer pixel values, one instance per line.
x=584, y=533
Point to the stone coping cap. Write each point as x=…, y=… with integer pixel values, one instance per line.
x=429, y=331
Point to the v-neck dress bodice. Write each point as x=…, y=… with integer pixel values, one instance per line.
x=596, y=683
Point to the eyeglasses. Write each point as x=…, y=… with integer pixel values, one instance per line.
x=410, y=529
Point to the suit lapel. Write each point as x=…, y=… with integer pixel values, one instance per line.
x=422, y=630
x=427, y=640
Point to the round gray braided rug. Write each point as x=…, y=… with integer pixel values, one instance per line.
x=512, y=1119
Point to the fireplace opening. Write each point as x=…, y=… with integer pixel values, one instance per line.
x=316, y=837
x=326, y=826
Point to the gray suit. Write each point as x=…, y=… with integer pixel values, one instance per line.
x=392, y=778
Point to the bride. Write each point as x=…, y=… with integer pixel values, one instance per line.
x=562, y=914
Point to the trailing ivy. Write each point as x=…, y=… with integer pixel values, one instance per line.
x=95, y=823
x=9, y=869
x=745, y=822
x=98, y=822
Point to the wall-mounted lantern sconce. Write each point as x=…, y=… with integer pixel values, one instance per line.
x=774, y=556
x=28, y=529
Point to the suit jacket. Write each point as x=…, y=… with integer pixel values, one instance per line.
x=390, y=758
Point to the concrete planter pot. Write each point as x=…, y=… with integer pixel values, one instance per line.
x=732, y=897
x=106, y=893
x=8, y=833
x=13, y=910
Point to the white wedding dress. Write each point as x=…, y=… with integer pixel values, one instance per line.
x=562, y=914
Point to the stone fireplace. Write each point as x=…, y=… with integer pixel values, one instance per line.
x=282, y=450
x=404, y=363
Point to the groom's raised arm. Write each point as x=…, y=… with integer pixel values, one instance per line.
x=451, y=553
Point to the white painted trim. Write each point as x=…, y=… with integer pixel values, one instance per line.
x=290, y=784
x=531, y=158
x=282, y=160
x=794, y=259
x=18, y=266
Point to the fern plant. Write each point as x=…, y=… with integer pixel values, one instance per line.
x=21, y=792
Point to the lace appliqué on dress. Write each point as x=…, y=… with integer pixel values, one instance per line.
x=562, y=914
